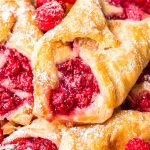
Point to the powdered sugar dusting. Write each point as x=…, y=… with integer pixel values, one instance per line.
x=6, y=16
x=25, y=32
x=55, y=5
x=8, y=147
x=123, y=126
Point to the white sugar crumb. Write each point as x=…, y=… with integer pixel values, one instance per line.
x=5, y=16
x=8, y=147
x=55, y=8
x=43, y=76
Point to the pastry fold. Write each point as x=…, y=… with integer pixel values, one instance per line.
x=116, y=55
x=25, y=32
x=18, y=30
x=39, y=128
x=114, y=134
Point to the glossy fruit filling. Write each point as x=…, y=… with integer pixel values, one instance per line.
x=1, y=135
x=131, y=9
x=140, y=100
x=77, y=87
x=137, y=144
x=15, y=80
x=33, y=144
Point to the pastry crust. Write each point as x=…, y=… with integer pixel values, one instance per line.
x=116, y=66
x=25, y=32
x=7, y=18
x=39, y=128
x=114, y=134
x=16, y=16
x=8, y=127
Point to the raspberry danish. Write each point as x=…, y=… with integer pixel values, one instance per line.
x=139, y=96
x=40, y=135
x=119, y=132
x=18, y=35
x=83, y=70
x=116, y=134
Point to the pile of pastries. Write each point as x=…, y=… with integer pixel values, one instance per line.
x=74, y=75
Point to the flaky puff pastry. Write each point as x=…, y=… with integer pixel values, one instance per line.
x=114, y=134
x=18, y=30
x=25, y=32
x=8, y=127
x=116, y=59
x=39, y=128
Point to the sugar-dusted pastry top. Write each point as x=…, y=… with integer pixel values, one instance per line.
x=25, y=31
x=39, y=134
x=18, y=35
x=114, y=134
x=113, y=53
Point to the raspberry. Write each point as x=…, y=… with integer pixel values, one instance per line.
x=145, y=105
x=138, y=103
x=49, y=15
x=132, y=9
x=16, y=71
x=70, y=1
x=133, y=12
x=1, y=135
x=34, y=144
x=76, y=88
x=137, y=144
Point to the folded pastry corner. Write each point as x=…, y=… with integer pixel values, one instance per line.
x=16, y=89
x=7, y=18
x=25, y=32
x=39, y=135
x=139, y=96
x=78, y=78
x=114, y=134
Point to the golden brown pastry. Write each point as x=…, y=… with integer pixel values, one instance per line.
x=139, y=96
x=114, y=134
x=9, y=127
x=83, y=70
x=39, y=135
x=18, y=34
x=7, y=18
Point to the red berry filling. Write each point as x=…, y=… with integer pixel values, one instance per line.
x=70, y=1
x=33, y=144
x=15, y=80
x=50, y=14
x=140, y=101
x=132, y=9
x=77, y=87
x=137, y=144
x=1, y=135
